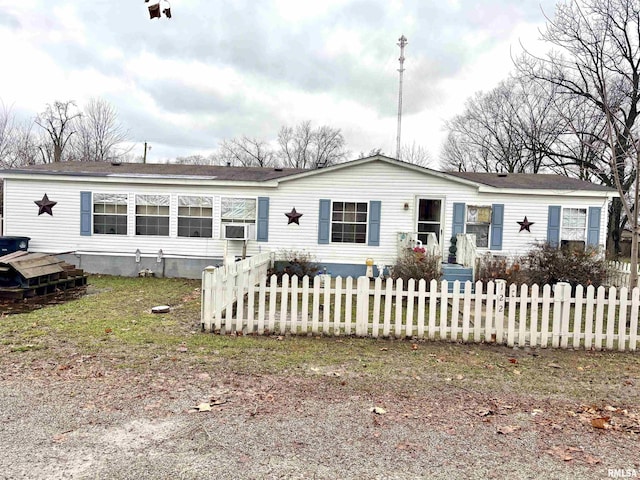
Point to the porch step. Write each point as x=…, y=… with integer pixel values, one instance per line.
x=452, y=272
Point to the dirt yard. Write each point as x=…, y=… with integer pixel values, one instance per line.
x=99, y=388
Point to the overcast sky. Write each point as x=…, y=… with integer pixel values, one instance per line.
x=221, y=69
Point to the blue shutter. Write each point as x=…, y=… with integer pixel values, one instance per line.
x=85, y=213
x=262, y=235
x=375, y=207
x=553, y=225
x=497, y=226
x=324, y=221
x=458, y=219
x=593, y=228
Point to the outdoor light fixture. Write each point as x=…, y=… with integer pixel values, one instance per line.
x=138, y=255
x=159, y=256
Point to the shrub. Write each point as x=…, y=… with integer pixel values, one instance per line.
x=492, y=267
x=416, y=264
x=294, y=262
x=547, y=264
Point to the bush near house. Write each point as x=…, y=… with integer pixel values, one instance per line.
x=417, y=264
x=492, y=267
x=545, y=264
x=295, y=262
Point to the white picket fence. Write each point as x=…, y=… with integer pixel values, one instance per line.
x=533, y=316
x=222, y=285
x=619, y=273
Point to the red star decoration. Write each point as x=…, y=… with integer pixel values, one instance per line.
x=45, y=205
x=526, y=225
x=294, y=217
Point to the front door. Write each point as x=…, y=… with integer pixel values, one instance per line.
x=429, y=218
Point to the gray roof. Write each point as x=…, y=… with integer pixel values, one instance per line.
x=519, y=181
x=251, y=174
x=530, y=181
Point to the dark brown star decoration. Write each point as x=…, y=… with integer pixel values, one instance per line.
x=45, y=205
x=293, y=216
x=525, y=225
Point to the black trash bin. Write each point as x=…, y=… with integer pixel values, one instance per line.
x=13, y=244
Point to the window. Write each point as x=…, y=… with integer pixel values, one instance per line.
x=238, y=210
x=152, y=215
x=478, y=222
x=195, y=216
x=110, y=214
x=349, y=222
x=574, y=227
x=428, y=218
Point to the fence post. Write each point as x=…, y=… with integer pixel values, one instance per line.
x=561, y=314
x=206, y=298
x=362, y=307
x=501, y=291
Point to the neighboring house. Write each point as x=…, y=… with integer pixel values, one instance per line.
x=173, y=219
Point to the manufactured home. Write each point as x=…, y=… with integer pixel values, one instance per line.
x=175, y=220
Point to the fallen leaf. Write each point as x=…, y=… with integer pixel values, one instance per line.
x=414, y=346
x=517, y=372
x=108, y=330
x=513, y=360
x=384, y=349
x=600, y=422
x=378, y=410
x=459, y=377
x=591, y=460
x=505, y=430
x=554, y=365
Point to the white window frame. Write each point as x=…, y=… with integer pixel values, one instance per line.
x=355, y=222
x=563, y=228
x=100, y=195
x=206, y=202
x=250, y=221
x=473, y=223
x=157, y=215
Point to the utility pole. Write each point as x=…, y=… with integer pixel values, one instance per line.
x=402, y=42
x=144, y=157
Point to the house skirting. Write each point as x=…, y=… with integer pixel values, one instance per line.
x=129, y=265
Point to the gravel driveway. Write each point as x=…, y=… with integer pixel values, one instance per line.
x=86, y=420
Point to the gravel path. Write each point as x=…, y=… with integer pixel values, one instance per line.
x=93, y=422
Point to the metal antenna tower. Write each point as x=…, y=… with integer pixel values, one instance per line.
x=402, y=42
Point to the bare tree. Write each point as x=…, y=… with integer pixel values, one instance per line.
x=596, y=64
x=100, y=137
x=416, y=154
x=197, y=159
x=305, y=147
x=7, y=135
x=58, y=122
x=507, y=129
x=246, y=152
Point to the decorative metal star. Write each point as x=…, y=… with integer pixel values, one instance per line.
x=45, y=205
x=526, y=225
x=294, y=217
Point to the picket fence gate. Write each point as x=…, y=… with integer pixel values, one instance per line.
x=525, y=316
